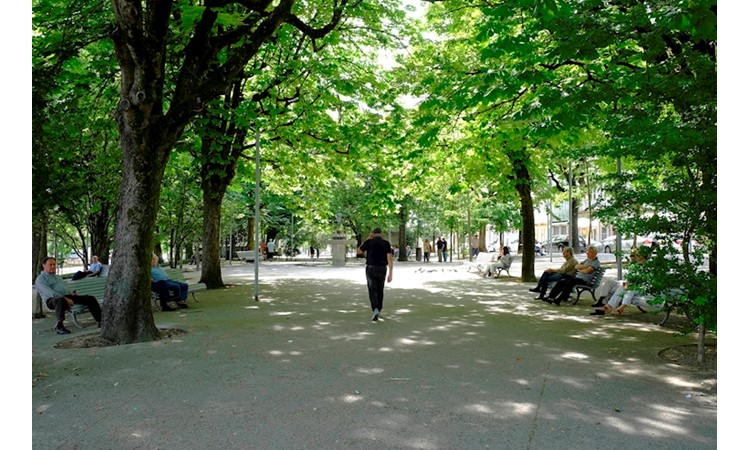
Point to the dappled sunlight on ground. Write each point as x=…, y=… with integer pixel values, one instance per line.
x=452, y=351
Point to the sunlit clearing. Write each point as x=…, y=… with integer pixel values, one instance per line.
x=493, y=302
x=522, y=382
x=297, y=328
x=408, y=341
x=252, y=307
x=403, y=311
x=573, y=355
x=660, y=427
x=621, y=425
x=682, y=383
x=351, y=398
x=521, y=408
x=385, y=349
x=276, y=352
x=282, y=313
x=371, y=371
x=484, y=409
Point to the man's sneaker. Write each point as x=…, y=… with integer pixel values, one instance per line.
x=375, y=315
x=62, y=330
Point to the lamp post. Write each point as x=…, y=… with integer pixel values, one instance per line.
x=257, y=209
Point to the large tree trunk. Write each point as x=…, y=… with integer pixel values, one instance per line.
x=402, y=215
x=211, y=269
x=39, y=251
x=574, y=241
x=99, y=232
x=522, y=180
x=147, y=135
x=127, y=315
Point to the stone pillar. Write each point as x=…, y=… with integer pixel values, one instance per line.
x=338, y=245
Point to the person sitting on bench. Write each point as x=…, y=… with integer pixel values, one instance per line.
x=566, y=271
x=162, y=285
x=585, y=273
x=503, y=263
x=58, y=298
x=626, y=294
x=94, y=269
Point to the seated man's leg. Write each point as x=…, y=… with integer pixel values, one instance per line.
x=566, y=289
x=91, y=303
x=558, y=278
x=557, y=288
x=80, y=275
x=160, y=287
x=180, y=290
x=59, y=304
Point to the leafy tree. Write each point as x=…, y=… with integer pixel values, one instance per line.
x=174, y=57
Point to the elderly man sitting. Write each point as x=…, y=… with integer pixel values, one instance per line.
x=585, y=272
x=162, y=285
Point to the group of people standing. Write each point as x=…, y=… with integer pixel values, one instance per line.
x=442, y=249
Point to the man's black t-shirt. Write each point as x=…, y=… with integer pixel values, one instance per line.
x=377, y=250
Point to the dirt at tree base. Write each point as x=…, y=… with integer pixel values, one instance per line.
x=687, y=356
x=92, y=340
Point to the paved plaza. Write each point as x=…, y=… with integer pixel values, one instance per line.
x=458, y=362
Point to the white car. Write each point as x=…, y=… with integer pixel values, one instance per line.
x=609, y=244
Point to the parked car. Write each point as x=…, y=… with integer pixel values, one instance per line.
x=598, y=245
x=610, y=245
x=560, y=241
x=537, y=247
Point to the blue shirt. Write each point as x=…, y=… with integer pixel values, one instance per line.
x=50, y=286
x=158, y=274
x=96, y=267
x=588, y=276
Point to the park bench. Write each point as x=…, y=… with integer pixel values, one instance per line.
x=592, y=285
x=247, y=255
x=484, y=259
x=177, y=275
x=93, y=286
x=481, y=261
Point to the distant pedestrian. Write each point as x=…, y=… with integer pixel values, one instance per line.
x=475, y=246
x=379, y=268
x=426, y=250
x=271, y=249
x=444, y=248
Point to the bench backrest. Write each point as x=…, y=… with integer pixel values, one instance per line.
x=597, y=280
x=176, y=274
x=89, y=286
x=484, y=257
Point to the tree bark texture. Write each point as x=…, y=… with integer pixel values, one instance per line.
x=211, y=268
x=483, y=238
x=402, y=215
x=39, y=251
x=522, y=179
x=99, y=226
x=148, y=134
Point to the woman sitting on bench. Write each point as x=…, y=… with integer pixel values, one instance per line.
x=503, y=263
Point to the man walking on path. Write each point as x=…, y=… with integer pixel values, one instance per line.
x=379, y=262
